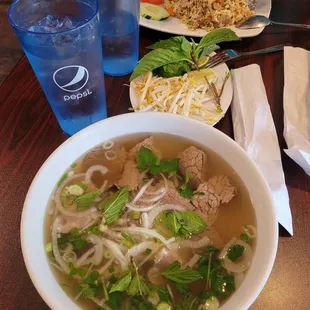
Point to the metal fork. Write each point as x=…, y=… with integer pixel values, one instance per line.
x=226, y=55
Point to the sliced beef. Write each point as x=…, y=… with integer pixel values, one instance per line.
x=130, y=176
x=148, y=143
x=192, y=161
x=172, y=196
x=216, y=191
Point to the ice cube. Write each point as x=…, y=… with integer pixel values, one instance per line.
x=53, y=24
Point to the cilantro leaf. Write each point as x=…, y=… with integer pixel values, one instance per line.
x=83, y=202
x=223, y=285
x=113, y=205
x=178, y=275
x=79, y=243
x=185, y=189
x=138, y=286
x=189, y=302
x=235, y=252
x=246, y=238
x=122, y=284
x=182, y=288
x=76, y=271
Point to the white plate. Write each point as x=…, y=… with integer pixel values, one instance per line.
x=226, y=98
x=175, y=26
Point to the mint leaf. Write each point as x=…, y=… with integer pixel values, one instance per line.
x=170, y=220
x=178, y=275
x=174, y=42
x=157, y=58
x=115, y=300
x=235, y=252
x=84, y=202
x=113, y=205
x=193, y=223
x=182, y=223
x=146, y=159
x=214, y=37
x=122, y=284
x=169, y=166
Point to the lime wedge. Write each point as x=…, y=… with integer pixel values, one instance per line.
x=202, y=62
x=200, y=76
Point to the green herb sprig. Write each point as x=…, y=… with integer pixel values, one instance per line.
x=177, y=55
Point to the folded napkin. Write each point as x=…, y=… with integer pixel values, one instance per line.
x=296, y=103
x=254, y=130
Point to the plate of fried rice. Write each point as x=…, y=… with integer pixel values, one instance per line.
x=197, y=17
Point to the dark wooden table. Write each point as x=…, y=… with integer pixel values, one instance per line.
x=29, y=133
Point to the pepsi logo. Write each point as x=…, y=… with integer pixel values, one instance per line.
x=71, y=78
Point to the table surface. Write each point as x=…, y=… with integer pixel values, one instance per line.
x=29, y=133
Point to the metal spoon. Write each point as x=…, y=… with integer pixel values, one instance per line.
x=258, y=21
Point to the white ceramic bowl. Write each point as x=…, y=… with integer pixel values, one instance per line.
x=45, y=180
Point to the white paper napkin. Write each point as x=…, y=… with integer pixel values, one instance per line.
x=254, y=130
x=296, y=104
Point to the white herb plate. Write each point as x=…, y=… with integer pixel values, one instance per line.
x=226, y=98
x=175, y=26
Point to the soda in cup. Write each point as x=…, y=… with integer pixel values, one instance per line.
x=63, y=44
x=119, y=23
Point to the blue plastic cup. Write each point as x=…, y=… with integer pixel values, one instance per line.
x=63, y=44
x=119, y=21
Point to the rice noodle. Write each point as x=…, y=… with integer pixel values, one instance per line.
x=201, y=243
x=243, y=263
x=239, y=277
x=140, y=248
x=107, y=145
x=193, y=261
x=59, y=205
x=117, y=253
x=110, y=157
x=142, y=208
x=56, y=252
x=84, y=259
x=56, y=266
x=156, y=198
x=142, y=190
x=102, y=169
x=144, y=231
x=155, y=212
x=98, y=256
x=145, y=220
x=106, y=265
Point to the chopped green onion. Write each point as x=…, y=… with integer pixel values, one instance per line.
x=82, y=184
x=163, y=306
x=48, y=247
x=111, y=269
x=75, y=190
x=148, y=251
x=73, y=165
x=135, y=215
x=107, y=254
x=62, y=178
x=245, y=238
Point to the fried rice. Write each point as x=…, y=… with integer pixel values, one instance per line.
x=210, y=14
